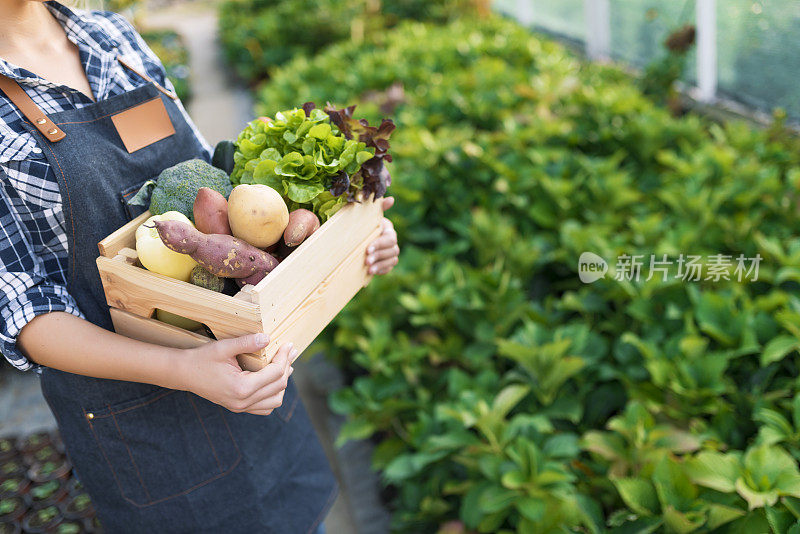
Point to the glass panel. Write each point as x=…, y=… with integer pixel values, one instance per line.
x=639, y=28
x=759, y=52
x=560, y=17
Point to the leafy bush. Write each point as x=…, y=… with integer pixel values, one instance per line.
x=505, y=394
x=259, y=35
x=171, y=50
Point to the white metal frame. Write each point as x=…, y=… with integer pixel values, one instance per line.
x=598, y=38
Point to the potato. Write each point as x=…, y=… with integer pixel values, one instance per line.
x=302, y=223
x=177, y=320
x=257, y=214
x=155, y=256
x=211, y=212
x=221, y=255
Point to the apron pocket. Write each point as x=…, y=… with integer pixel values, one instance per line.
x=164, y=445
x=132, y=211
x=290, y=400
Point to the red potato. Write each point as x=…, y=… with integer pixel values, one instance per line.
x=211, y=212
x=221, y=255
x=302, y=223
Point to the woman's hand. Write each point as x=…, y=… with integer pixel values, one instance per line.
x=383, y=253
x=211, y=371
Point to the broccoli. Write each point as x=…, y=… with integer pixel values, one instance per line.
x=176, y=187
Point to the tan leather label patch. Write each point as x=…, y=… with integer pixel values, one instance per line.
x=143, y=125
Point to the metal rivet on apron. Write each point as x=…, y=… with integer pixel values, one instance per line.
x=89, y=416
x=41, y=121
x=36, y=150
x=52, y=132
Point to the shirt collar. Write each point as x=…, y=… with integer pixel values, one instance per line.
x=87, y=34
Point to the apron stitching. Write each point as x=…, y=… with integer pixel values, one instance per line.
x=202, y=424
x=325, y=510
x=130, y=454
x=105, y=116
x=129, y=408
x=233, y=440
x=69, y=202
x=108, y=462
x=289, y=414
x=187, y=491
x=152, y=502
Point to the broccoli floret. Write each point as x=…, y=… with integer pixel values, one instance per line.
x=177, y=186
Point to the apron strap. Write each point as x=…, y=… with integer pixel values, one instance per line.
x=30, y=110
x=39, y=119
x=147, y=78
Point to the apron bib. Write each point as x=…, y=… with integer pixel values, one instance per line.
x=154, y=459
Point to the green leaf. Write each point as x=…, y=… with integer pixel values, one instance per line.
x=638, y=494
x=495, y=498
x=719, y=515
x=673, y=485
x=354, y=429
x=530, y=507
x=508, y=397
x=778, y=348
x=714, y=470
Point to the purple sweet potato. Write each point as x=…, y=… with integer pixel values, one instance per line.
x=221, y=255
x=211, y=212
x=302, y=223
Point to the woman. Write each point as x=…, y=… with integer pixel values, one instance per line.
x=163, y=439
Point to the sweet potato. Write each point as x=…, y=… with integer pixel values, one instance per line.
x=211, y=212
x=221, y=255
x=302, y=223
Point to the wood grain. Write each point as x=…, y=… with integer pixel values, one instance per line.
x=140, y=292
x=125, y=237
x=166, y=335
x=288, y=285
x=305, y=323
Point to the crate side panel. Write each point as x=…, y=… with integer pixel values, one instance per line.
x=124, y=237
x=140, y=292
x=319, y=308
x=166, y=335
x=285, y=288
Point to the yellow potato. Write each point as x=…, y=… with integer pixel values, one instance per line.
x=154, y=254
x=257, y=214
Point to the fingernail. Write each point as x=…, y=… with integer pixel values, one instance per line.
x=372, y=269
x=290, y=344
x=293, y=354
x=371, y=259
x=262, y=339
x=291, y=370
x=371, y=249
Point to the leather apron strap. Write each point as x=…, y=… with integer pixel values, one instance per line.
x=32, y=112
x=39, y=119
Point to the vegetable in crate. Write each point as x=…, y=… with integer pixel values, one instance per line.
x=155, y=256
x=302, y=223
x=257, y=214
x=176, y=187
x=202, y=278
x=316, y=159
x=221, y=255
x=211, y=212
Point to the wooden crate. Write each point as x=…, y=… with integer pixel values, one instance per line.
x=293, y=303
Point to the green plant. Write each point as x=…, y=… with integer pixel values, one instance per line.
x=260, y=35
x=496, y=382
x=171, y=50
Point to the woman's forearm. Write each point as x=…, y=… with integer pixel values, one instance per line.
x=68, y=343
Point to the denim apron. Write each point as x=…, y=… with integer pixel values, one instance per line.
x=154, y=459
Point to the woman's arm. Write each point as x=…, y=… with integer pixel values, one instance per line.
x=68, y=343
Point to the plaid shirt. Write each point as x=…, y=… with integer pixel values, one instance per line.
x=33, y=240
